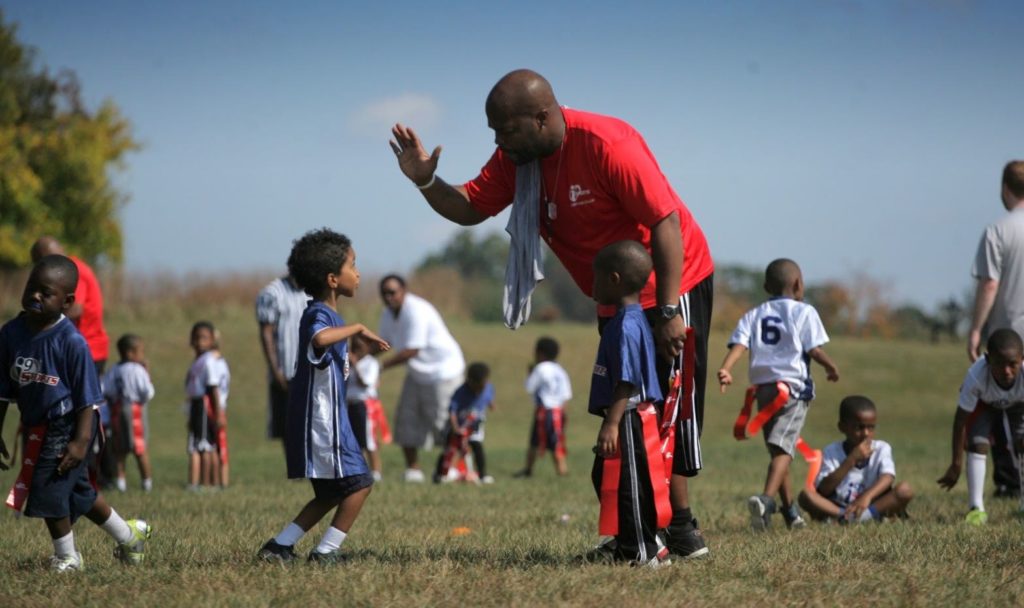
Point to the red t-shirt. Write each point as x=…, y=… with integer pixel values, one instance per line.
x=90, y=324
x=609, y=188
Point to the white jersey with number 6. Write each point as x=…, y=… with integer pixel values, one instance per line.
x=779, y=335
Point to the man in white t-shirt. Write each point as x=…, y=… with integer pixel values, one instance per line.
x=999, y=299
x=422, y=342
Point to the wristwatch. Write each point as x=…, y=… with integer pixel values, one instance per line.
x=668, y=311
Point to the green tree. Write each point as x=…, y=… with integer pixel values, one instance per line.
x=55, y=156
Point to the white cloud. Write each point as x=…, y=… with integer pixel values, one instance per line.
x=417, y=110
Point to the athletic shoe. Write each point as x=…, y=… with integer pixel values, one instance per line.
x=606, y=552
x=660, y=560
x=275, y=553
x=414, y=476
x=976, y=517
x=761, y=509
x=67, y=563
x=687, y=542
x=133, y=552
x=487, y=480
x=327, y=559
x=793, y=519
x=522, y=474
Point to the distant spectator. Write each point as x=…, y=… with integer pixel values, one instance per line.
x=422, y=341
x=279, y=308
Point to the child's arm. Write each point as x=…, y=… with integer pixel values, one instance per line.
x=608, y=436
x=725, y=372
x=3, y=446
x=79, y=446
x=213, y=394
x=818, y=354
x=828, y=485
x=959, y=442
x=333, y=335
x=864, y=500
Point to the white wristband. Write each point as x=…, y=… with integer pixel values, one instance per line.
x=428, y=184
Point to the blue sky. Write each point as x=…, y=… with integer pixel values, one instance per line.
x=850, y=136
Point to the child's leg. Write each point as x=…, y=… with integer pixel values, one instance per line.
x=561, y=467
x=778, y=473
x=121, y=482
x=786, y=489
x=145, y=471
x=531, y=458
x=977, y=454
x=225, y=471
x=209, y=468
x=194, y=469
x=894, y=500
x=817, y=506
x=373, y=456
x=478, y=458
x=344, y=517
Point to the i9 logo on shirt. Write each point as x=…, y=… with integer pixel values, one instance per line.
x=771, y=332
x=26, y=370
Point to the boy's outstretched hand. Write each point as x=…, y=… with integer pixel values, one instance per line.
x=952, y=475
x=380, y=343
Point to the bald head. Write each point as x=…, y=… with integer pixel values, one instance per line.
x=523, y=111
x=782, y=277
x=521, y=93
x=46, y=245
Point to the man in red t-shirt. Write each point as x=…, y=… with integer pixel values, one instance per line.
x=599, y=184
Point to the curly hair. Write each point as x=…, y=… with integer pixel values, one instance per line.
x=315, y=255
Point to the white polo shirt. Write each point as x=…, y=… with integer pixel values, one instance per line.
x=549, y=385
x=419, y=326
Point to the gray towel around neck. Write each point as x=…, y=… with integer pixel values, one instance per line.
x=525, y=256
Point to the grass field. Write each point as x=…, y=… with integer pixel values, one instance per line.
x=519, y=552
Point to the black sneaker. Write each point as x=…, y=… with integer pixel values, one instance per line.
x=522, y=474
x=687, y=542
x=606, y=552
x=1003, y=491
x=761, y=508
x=275, y=553
x=327, y=559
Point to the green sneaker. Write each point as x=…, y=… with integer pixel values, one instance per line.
x=133, y=552
x=976, y=517
x=68, y=563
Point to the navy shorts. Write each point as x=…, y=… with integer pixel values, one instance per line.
x=54, y=496
x=341, y=488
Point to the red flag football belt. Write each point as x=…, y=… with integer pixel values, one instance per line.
x=744, y=428
x=458, y=445
x=608, y=522
x=29, y=457
x=680, y=390
x=378, y=421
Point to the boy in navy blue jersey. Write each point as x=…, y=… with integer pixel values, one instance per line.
x=466, y=415
x=629, y=476
x=319, y=442
x=46, y=368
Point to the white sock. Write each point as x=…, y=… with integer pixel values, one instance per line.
x=147, y=484
x=331, y=541
x=117, y=528
x=290, y=535
x=65, y=545
x=122, y=484
x=976, y=480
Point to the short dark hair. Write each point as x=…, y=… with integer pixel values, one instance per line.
x=392, y=277
x=1013, y=177
x=548, y=347
x=478, y=372
x=1004, y=339
x=853, y=405
x=779, y=275
x=62, y=267
x=315, y=255
x=629, y=259
x=128, y=342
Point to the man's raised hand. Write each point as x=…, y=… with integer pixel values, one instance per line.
x=413, y=159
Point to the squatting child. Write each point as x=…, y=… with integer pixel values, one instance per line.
x=128, y=389
x=782, y=334
x=319, y=442
x=467, y=413
x=206, y=386
x=46, y=368
x=361, y=397
x=630, y=480
x=855, y=482
x=549, y=385
x=992, y=393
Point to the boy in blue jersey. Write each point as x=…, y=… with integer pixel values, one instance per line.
x=46, y=368
x=629, y=473
x=466, y=415
x=319, y=442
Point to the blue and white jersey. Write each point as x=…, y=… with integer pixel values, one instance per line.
x=319, y=442
x=779, y=335
x=465, y=402
x=862, y=476
x=625, y=354
x=49, y=374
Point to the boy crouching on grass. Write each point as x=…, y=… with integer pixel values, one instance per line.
x=855, y=482
x=782, y=335
x=319, y=442
x=629, y=478
x=992, y=393
x=45, y=367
